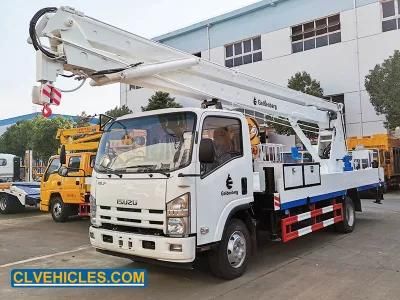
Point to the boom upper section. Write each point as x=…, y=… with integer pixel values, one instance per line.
x=90, y=48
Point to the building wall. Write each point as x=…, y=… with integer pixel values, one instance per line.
x=341, y=68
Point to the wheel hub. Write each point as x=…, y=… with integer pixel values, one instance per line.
x=57, y=209
x=349, y=215
x=236, y=249
x=3, y=203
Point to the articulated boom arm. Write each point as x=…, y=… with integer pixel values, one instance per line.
x=106, y=54
x=80, y=139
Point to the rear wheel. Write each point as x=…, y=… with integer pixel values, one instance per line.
x=59, y=210
x=349, y=217
x=230, y=259
x=8, y=204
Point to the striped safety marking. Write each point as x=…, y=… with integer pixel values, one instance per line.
x=55, y=96
x=288, y=235
x=277, y=202
x=84, y=210
x=50, y=95
x=46, y=93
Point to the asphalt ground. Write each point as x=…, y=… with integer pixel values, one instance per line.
x=325, y=265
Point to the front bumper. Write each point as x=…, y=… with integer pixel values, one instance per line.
x=138, y=245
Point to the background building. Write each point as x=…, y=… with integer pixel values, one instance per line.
x=337, y=42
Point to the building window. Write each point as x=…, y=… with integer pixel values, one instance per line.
x=316, y=34
x=243, y=52
x=134, y=87
x=390, y=15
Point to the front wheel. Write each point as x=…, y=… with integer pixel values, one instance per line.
x=230, y=259
x=349, y=217
x=59, y=210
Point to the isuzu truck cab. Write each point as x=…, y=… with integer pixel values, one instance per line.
x=173, y=188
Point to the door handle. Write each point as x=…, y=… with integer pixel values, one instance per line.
x=244, y=185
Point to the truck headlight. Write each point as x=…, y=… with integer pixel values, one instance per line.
x=178, y=215
x=93, y=208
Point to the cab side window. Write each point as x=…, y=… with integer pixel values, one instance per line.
x=74, y=162
x=226, y=134
x=3, y=162
x=53, y=168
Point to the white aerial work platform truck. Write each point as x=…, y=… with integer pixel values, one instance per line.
x=171, y=183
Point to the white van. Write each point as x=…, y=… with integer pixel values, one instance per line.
x=9, y=167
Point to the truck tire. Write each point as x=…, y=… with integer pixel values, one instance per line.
x=8, y=204
x=349, y=217
x=59, y=210
x=230, y=259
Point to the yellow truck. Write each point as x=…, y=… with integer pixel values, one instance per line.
x=386, y=153
x=69, y=196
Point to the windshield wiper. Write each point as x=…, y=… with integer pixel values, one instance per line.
x=140, y=166
x=110, y=171
x=165, y=173
x=148, y=168
x=135, y=167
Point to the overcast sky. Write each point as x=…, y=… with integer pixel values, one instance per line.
x=147, y=18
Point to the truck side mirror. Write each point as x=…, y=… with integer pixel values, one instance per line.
x=206, y=151
x=63, y=171
x=63, y=155
x=104, y=120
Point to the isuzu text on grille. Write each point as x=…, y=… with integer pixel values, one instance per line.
x=126, y=202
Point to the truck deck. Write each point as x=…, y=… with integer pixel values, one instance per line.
x=14, y=195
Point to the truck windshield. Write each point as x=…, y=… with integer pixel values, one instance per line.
x=157, y=143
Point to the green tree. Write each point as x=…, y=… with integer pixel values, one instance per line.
x=17, y=138
x=301, y=81
x=82, y=120
x=383, y=86
x=44, y=142
x=118, y=111
x=161, y=100
x=38, y=134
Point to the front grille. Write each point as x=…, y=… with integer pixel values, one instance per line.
x=129, y=229
x=156, y=222
x=136, y=220
x=129, y=220
x=129, y=209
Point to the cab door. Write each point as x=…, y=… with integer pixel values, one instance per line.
x=227, y=182
x=72, y=185
x=50, y=182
